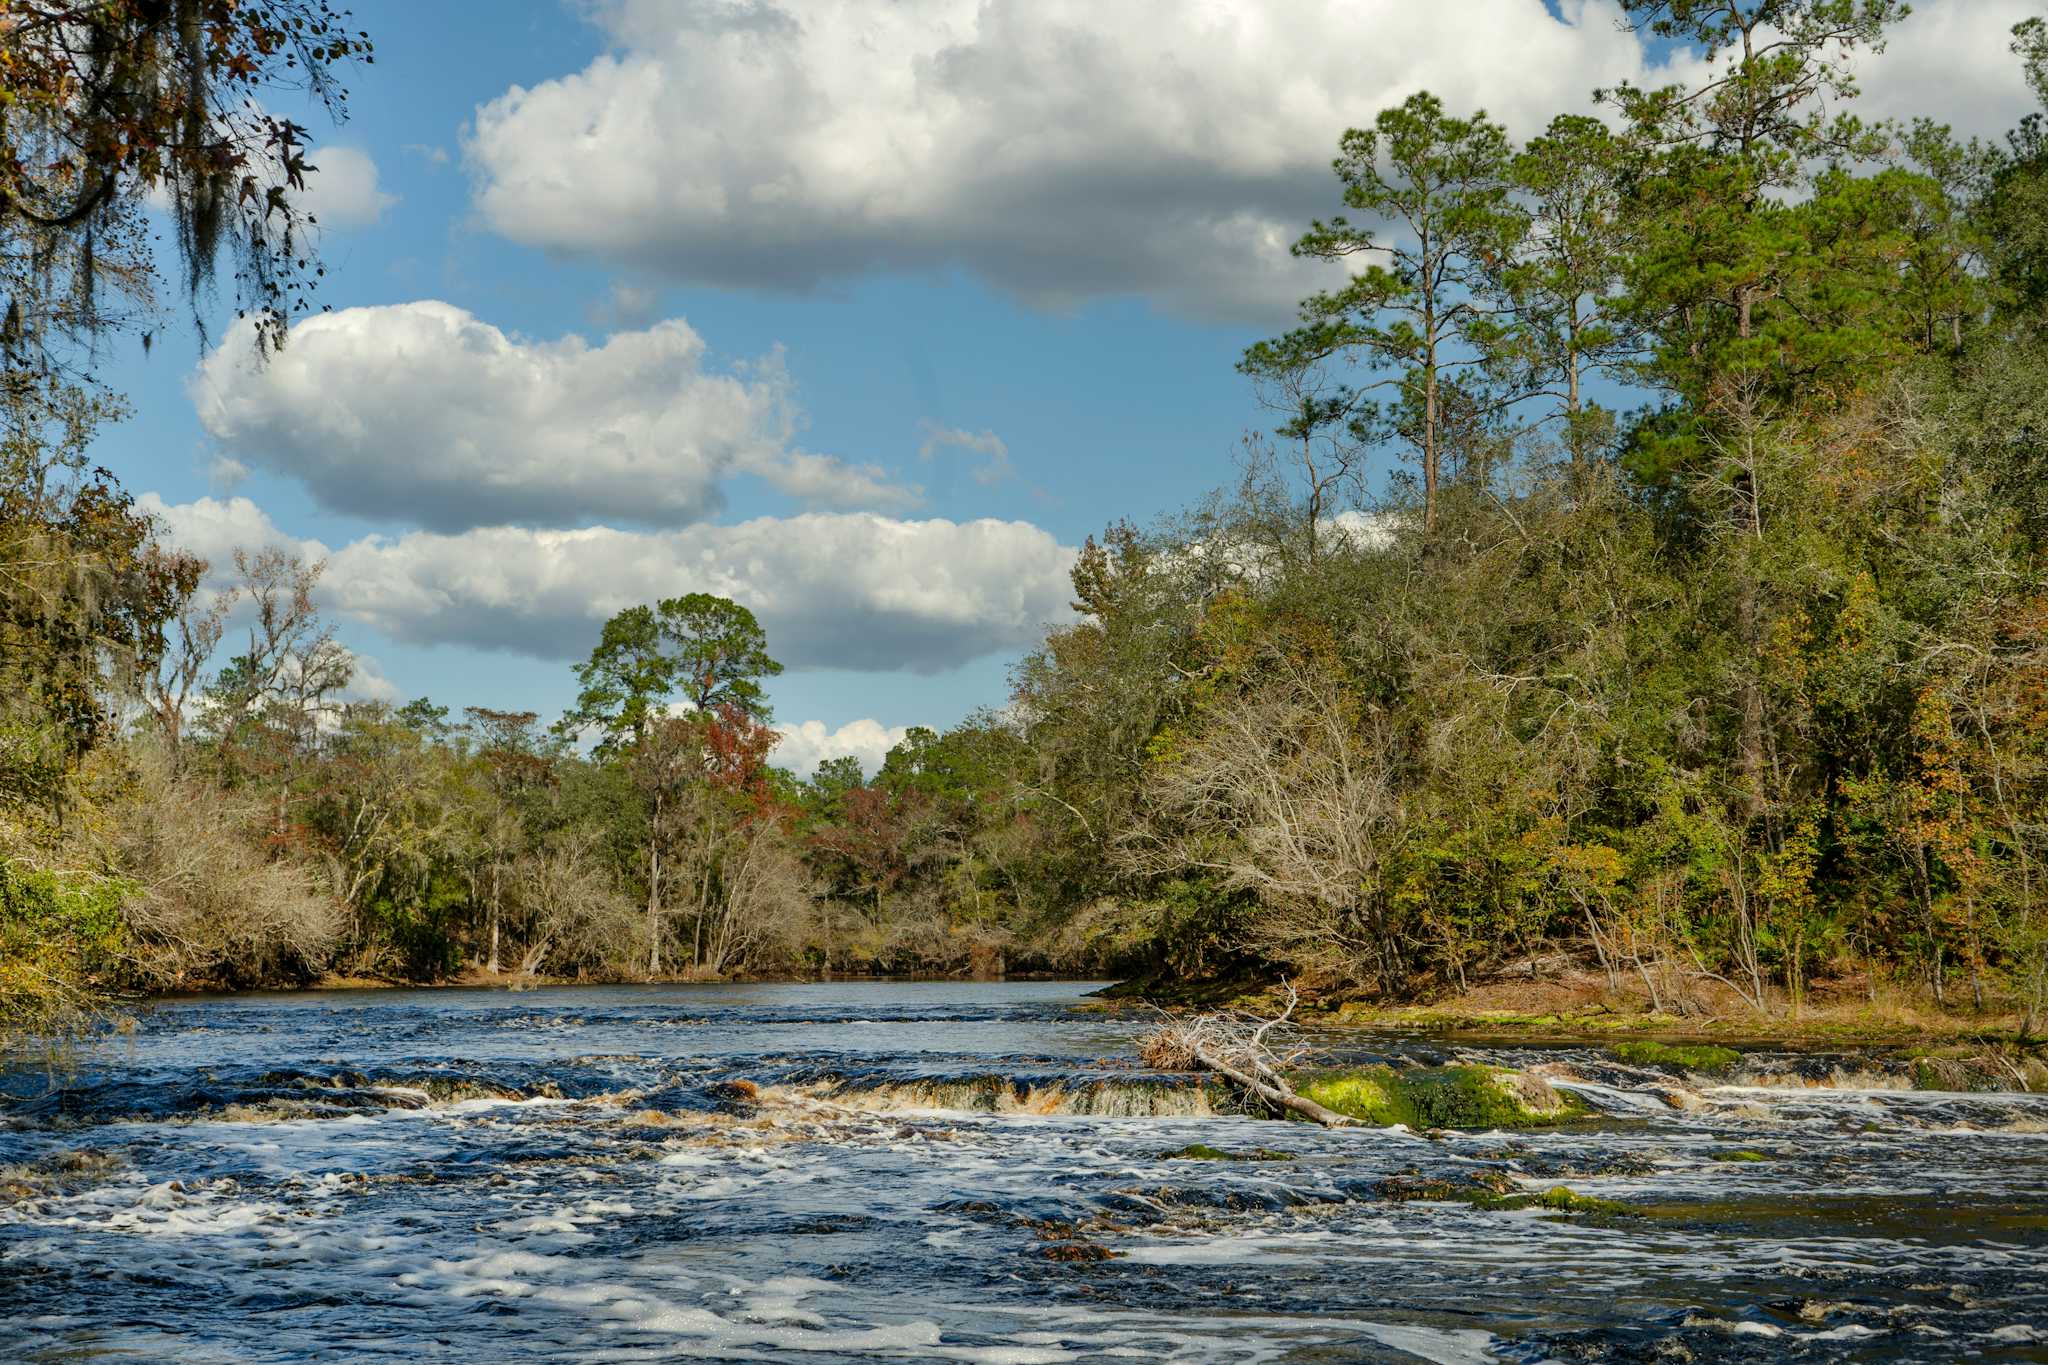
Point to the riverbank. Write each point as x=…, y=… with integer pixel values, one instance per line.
x=477, y=978
x=1968, y=1049
x=1582, y=1007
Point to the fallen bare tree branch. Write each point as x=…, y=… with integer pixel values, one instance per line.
x=1234, y=1046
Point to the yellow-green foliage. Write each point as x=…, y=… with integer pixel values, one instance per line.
x=60, y=936
x=1476, y=1097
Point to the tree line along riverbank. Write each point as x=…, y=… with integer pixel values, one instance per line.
x=1643, y=579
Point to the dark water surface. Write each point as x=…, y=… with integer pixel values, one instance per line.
x=947, y=1172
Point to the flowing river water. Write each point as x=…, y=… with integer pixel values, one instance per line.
x=981, y=1172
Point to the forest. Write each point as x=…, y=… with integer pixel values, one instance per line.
x=1645, y=573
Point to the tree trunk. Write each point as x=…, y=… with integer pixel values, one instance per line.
x=1274, y=1091
x=1750, y=695
x=1429, y=441
x=654, y=893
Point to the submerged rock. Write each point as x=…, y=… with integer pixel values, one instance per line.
x=1105, y=1098
x=1472, y=1097
x=56, y=1174
x=460, y=1089
x=1077, y=1251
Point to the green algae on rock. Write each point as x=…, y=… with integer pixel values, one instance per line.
x=1497, y=1190
x=1474, y=1097
x=1201, y=1151
x=1706, y=1059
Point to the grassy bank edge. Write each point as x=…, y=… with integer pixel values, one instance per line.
x=1594, y=1017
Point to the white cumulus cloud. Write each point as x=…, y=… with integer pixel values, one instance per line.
x=1061, y=149
x=803, y=747
x=846, y=590
x=342, y=191
x=423, y=414
x=214, y=528
x=1951, y=61
x=367, y=681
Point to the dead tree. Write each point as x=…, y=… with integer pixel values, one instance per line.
x=1234, y=1046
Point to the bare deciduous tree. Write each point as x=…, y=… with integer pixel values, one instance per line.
x=575, y=917
x=767, y=893
x=211, y=905
x=1289, y=793
x=170, y=681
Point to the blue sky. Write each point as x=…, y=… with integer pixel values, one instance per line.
x=1007, y=254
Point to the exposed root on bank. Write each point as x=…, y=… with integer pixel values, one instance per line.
x=1235, y=1046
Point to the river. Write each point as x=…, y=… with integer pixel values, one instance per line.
x=937, y=1171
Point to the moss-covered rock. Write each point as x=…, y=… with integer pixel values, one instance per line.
x=1703, y=1059
x=1471, y=1097
x=1564, y=1199
x=1495, y=1190
x=1200, y=1151
x=1742, y=1154
x=1366, y=1095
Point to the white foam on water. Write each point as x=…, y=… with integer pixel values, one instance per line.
x=559, y=1223
x=1438, y=1345
x=607, y=1240
x=167, y=1208
x=513, y=1274
x=1005, y=1355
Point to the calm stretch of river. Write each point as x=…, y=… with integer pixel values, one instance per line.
x=827, y=1172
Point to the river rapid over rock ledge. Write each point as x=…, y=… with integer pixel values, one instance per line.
x=974, y=1172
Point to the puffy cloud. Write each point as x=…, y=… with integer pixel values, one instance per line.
x=368, y=681
x=1951, y=60
x=343, y=192
x=803, y=747
x=1060, y=148
x=423, y=414
x=214, y=528
x=991, y=471
x=838, y=591
x=850, y=590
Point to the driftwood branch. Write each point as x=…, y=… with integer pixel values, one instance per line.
x=1235, y=1047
